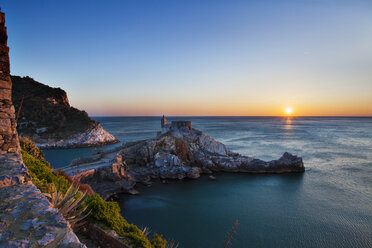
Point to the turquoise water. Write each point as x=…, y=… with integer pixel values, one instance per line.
x=330, y=205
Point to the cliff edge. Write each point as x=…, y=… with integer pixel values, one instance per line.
x=45, y=116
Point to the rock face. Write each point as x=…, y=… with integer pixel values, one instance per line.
x=8, y=134
x=108, y=180
x=46, y=117
x=188, y=153
x=94, y=136
x=177, y=154
x=27, y=219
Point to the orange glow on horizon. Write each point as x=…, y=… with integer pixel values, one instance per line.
x=220, y=109
x=223, y=107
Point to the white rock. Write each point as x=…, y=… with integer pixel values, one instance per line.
x=211, y=145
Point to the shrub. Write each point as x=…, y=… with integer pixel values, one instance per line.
x=28, y=146
x=157, y=241
x=42, y=175
x=109, y=214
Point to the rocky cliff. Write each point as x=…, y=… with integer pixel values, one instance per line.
x=182, y=153
x=45, y=115
x=27, y=219
x=93, y=136
x=177, y=154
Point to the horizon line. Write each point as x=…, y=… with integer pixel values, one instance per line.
x=280, y=116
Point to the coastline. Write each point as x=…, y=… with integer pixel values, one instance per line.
x=93, y=137
x=178, y=152
x=307, y=197
x=52, y=147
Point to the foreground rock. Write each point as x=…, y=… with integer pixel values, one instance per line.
x=27, y=219
x=176, y=153
x=108, y=180
x=212, y=178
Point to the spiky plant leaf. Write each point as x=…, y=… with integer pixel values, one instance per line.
x=68, y=204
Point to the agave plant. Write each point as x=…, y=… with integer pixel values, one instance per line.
x=146, y=231
x=68, y=204
x=171, y=244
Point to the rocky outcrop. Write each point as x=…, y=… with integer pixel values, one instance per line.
x=109, y=239
x=184, y=153
x=95, y=136
x=12, y=170
x=179, y=153
x=46, y=117
x=27, y=219
x=108, y=180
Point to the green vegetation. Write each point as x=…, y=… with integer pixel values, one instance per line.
x=108, y=213
x=69, y=203
x=29, y=147
x=157, y=241
x=41, y=106
x=104, y=213
x=42, y=175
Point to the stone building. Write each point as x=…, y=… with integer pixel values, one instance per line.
x=165, y=127
x=180, y=124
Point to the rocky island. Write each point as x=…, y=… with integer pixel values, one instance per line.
x=179, y=151
x=45, y=116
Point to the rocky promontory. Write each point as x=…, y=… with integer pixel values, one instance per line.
x=176, y=153
x=94, y=136
x=45, y=116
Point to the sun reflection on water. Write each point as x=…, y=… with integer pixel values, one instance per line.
x=288, y=125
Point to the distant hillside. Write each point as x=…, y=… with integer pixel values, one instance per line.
x=47, y=117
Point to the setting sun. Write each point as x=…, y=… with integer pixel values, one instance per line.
x=288, y=111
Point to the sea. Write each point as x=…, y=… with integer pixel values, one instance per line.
x=330, y=205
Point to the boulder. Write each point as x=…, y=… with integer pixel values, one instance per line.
x=212, y=178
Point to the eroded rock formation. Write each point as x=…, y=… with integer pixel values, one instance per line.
x=188, y=153
x=177, y=154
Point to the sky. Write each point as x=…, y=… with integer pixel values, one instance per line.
x=198, y=58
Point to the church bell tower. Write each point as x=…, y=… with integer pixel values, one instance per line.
x=163, y=121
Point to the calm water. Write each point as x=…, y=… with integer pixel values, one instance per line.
x=330, y=205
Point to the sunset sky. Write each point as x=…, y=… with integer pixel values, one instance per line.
x=198, y=57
